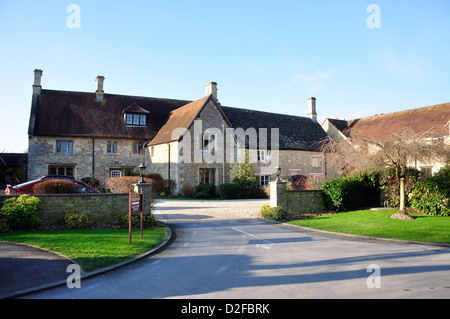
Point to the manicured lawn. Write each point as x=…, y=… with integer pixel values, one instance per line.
x=424, y=228
x=92, y=249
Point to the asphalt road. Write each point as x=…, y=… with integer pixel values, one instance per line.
x=218, y=252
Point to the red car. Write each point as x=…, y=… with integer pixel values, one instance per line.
x=27, y=188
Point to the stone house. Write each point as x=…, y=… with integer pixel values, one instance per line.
x=85, y=134
x=432, y=121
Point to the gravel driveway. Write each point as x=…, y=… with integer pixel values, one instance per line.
x=207, y=210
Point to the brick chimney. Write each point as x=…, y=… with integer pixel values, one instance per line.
x=37, y=82
x=99, y=92
x=211, y=88
x=312, y=109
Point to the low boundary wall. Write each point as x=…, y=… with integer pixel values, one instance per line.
x=100, y=208
x=296, y=202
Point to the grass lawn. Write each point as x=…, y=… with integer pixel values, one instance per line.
x=424, y=228
x=92, y=249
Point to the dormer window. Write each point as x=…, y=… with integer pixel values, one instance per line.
x=134, y=115
x=136, y=119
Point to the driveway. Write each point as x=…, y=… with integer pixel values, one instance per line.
x=219, y=251
x=182, y=211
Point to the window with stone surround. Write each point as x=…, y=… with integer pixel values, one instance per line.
x=64, y=170
x=208, y=142
x=207, y=175
x=138, y=147
x=263, y=156
x=264, y=180
x=316, y=161
x=64, y=146
x=111, y=147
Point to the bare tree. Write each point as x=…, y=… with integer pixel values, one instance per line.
x=399, y=150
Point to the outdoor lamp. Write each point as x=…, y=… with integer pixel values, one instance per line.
x=142, y=168
x=278, y=168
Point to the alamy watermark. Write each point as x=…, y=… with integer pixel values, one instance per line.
x=374, y=19
x=224, y=145
x=74, y=279
x=74, y=19
x=374, y=280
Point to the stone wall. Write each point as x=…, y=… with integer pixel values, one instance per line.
x=100, y=208
x=296, y=202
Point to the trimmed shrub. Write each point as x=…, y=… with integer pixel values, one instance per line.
x=187, y=191
x=56, y=186
x=230, y=191
x=20, y=212
x=275, y=213
x=246, y=185
x=95, y=183
x=207, y=190
x=260, y=192
x=122, y=184
x=163, y=187
x=432, y=195
x=76, y=220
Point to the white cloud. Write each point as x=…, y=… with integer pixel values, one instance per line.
x=314, y=82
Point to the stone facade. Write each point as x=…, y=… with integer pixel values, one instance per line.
x=88, y=157
x=187, y=159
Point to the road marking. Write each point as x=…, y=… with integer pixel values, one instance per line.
x=259, y=238
x=221, y=269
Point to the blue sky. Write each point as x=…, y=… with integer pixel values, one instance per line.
x=264, y=55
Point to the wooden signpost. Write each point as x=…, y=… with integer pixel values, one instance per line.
x=135, y=207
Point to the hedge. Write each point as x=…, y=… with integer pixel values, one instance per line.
x=432, y=195
x=353, y=192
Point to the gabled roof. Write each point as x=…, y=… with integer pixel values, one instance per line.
x=419, y=120
x=182, y=117
x=295, y=132
x=78, y=114
x=134, y=108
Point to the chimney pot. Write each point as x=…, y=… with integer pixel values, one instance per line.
x=99, y=92
x=211, y=88
x=312, y=109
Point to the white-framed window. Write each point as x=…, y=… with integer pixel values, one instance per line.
x=115, y=173
x=64, y=146
x=316, y=161
x=111, y=147
x=263, y=156
x=208, y=142
x=264, y=180
x=152, y=151
x=135, y=119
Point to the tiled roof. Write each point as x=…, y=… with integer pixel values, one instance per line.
x=418, y=120
x=78, y=114
x=295, y=132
